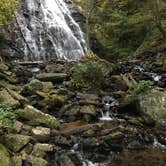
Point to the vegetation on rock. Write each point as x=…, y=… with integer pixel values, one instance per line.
x=91, y=73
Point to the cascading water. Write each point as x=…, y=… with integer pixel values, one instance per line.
x=107, y=102
x=48, y=31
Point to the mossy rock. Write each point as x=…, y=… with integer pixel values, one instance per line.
x=16, y=142
x=152, y=105
x=7, y=100
x=4, y=156
x=37, y=117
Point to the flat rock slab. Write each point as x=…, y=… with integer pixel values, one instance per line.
x=41, y=133
x=53, y=77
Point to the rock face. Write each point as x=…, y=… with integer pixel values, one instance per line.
x=37, y=117
x=4, y=156
x=153, y=104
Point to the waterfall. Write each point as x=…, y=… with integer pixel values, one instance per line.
x=48, y=31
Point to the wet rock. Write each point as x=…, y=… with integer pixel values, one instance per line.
x=40, y=150
x=4, y=156
x=7, y=100
x=65, y=160
x=16, y=142
x=53, y=77
x=41, y=133
x=35, y=116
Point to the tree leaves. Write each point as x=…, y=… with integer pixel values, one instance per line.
x=7, y=11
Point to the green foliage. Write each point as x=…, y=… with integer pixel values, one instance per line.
x=7, y=11
x=118, y=28
x=7, y=118
x=142, y=86
x=91, y=73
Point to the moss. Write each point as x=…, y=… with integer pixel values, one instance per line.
x=4, y=156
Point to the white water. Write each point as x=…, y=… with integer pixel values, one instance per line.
x=84, y=161
x=49, y=31
x=157, y=144
x=105, y=116
x=154, y=76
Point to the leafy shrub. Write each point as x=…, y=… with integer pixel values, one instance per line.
x=7, y=11
x=143, y=86
x=7, y=118
x=91, y=73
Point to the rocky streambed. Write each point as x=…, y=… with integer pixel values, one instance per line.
x=58, y=125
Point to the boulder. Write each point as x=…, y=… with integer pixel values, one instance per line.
x=56, y=100
x=40, y=150
x=88, y=109
x=34, y=161
x=53, y=77
x=4, y=156
x=7, y=100
x=37, y=117
x=152, y=104
x=17, y=96
x=41, y=133
x=88, y=99
x=32, y=87
x=17, y=161
x=16, y=142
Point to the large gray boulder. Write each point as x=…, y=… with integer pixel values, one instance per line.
x=152, y=105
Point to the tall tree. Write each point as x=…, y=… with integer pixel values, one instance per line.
x=156, y=14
